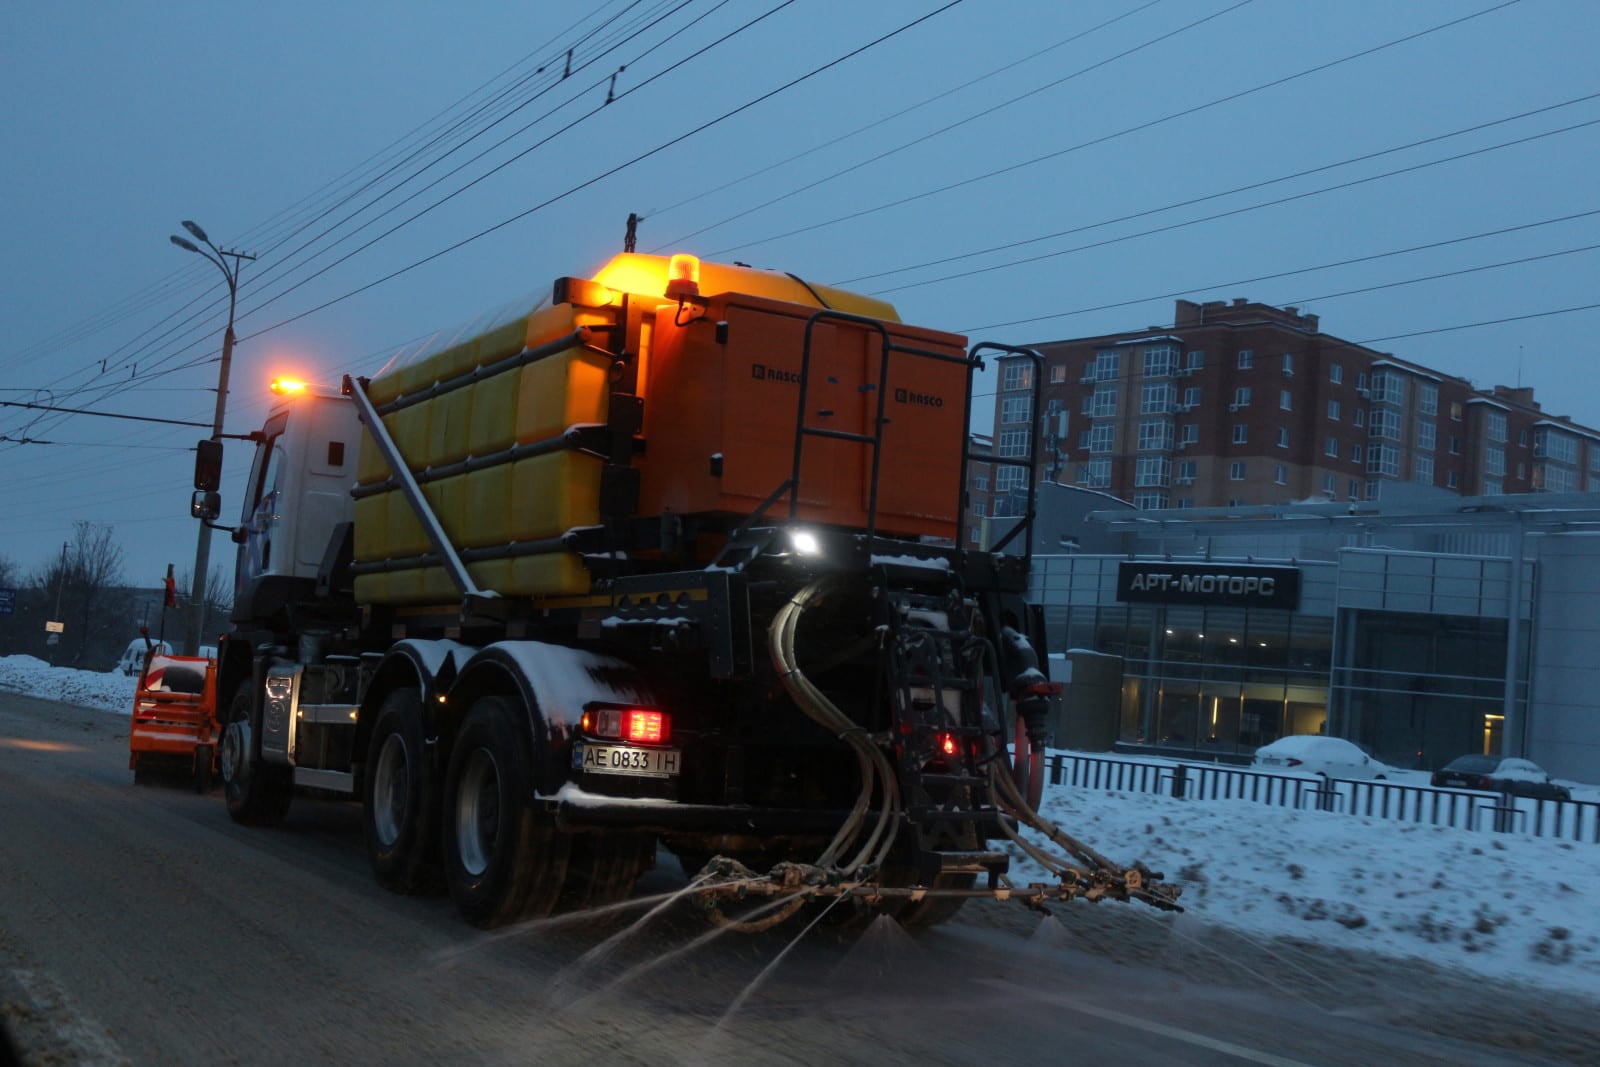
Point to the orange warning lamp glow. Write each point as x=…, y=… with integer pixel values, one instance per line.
x=683, y=277
x=289, y=386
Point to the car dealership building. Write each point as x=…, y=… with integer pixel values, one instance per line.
x=1422, y=628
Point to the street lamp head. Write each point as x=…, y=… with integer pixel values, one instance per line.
x=195, y=229
x=188, y=246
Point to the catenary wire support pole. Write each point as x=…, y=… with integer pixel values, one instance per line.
x=195, y=624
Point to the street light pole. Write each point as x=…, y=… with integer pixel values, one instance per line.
x=195, y=627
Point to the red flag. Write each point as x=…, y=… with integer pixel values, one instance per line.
x=172, y=590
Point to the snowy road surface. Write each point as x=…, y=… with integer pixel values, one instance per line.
x=1289, y=913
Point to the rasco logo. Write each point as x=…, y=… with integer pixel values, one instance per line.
x=926, y=400
x=761, y=372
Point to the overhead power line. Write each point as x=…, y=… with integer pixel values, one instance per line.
x=1123, y=132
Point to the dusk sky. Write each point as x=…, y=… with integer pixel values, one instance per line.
x=999, y=168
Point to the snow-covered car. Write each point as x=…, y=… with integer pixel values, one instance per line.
x=1496, y=774
x=132, y=661
x=1332, y=757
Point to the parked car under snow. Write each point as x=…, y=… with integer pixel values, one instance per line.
x=1496, y=774
x=1331, y=757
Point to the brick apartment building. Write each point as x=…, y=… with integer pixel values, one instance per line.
x=1243, y=403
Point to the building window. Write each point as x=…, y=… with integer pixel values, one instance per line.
x=1360, y=417
x=1388, y=387
x=1083, y=438
x=1191, y=396
x=1495, y=426
x=1330, y=447
x=1333, y=410
x=1100, y=472
x=1015, y=409
x=1522, y=438
x=1285, y=400
x=1008, y=478
x=1186, y=469
x=1385, y=423
x=1195, y=359
x=1152, y=470
x=1104, y=402
x=1058, y=374
x=1241, y=433
x=1280, y=474
x=977, y=508
x=1361, y=383
x=1235, y=502
x=1356, y=452
x=1013, y=444
x=1522, y=472
x=1288, y=364
x=1455, y=446
x=1102, y=437
x=1428, y=399
x=1372, y=489
x=1160, y=361
x=1491, y=487
x=1383, y=459
x=1186, y=502
x=1156, y=398
x=1247, y=358
x=1241, y=397
x=1155, y=434
x=1330, y=485
x=1335, y=374
x=1455, y=410
x=1106, y=365
x=980, y=482
x=1424, y=470
x=1427, y=435
x=1017, y=375
x=1355, y=489
x=1283, y=437
x=1450, y=480
x=1552, y=479
x=1189, y=435
x=1494, y=460
x=1236, y=471
x=1554, y=445
x=1148, y=501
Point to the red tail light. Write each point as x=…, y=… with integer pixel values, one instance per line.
x=947, y=744
x=644, y=727
x=1291, y=761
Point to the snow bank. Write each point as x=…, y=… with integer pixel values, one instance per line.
x=1502, y=905
x=106, y=690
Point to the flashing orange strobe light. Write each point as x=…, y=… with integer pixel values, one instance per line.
x=683, y=277
x=289, y=386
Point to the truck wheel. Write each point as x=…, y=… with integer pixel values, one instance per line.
x=503, y=860
x=603, y=868
x=400, y=799
x=258, y=793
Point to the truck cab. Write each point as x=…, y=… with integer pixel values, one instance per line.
x=296, y=500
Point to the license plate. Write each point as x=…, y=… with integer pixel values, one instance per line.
x=626, y=759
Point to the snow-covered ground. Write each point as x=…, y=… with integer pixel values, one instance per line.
x=1503, y=905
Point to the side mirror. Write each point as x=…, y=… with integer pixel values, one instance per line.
x=240, y=535
x=205, y=505
x=208, y=467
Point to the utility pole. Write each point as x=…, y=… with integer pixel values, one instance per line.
x=61, y=581
x=194, y=628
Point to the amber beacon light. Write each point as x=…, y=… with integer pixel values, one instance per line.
x=683, y=277
x=288, y=387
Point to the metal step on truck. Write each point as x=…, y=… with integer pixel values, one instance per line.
x=677, y=557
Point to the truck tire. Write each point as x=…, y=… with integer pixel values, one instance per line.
x=400, y=799
x=503, y=859
x=258, y=793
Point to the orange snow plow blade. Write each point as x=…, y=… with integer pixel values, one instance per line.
x=174, y=725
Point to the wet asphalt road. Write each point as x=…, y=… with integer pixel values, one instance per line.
x=140, y=925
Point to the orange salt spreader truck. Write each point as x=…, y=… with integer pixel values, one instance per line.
x=677, y=558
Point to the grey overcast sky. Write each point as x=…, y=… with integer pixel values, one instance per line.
x=1072, y=155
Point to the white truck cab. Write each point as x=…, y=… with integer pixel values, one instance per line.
x=296, y=499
